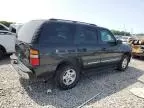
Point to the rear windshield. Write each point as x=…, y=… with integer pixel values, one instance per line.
x=28, y=30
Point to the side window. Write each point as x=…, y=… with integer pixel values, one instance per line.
x=57, y=33
x=86, y=35
x=106, y=36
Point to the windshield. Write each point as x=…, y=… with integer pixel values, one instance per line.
x=3, y=27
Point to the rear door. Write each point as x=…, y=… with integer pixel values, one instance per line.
x=110, y=53
x=86, y=40
x=56, y=42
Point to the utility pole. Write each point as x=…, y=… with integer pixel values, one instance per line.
x=124, y=30
x=132, y=31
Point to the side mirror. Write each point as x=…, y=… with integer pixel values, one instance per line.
x=119, y=41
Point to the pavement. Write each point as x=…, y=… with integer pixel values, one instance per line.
x=106, y=88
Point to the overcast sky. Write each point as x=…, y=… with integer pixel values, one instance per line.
x=113, y=14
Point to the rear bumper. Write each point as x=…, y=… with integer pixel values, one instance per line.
x=22, y=70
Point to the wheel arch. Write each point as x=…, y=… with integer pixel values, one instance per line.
x=128, y=54
x=73, y=61
x=3, y=48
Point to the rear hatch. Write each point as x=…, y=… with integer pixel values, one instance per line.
x=24, y=43
x=22, y=52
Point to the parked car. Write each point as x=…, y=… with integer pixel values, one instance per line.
x=124, y=39
x=64, y=48
x=14, y=28
x=7, y=41
x=137, y=46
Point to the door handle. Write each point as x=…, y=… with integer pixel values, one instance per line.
x=82, y=50
x=61, y=51
x=103, y=49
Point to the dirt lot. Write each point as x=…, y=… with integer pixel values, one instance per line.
x=113, y=86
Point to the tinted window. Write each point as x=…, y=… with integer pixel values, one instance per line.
x=57, y=33
x=86, y=35
x=106, y=36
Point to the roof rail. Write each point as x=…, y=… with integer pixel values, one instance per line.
x=72, y=21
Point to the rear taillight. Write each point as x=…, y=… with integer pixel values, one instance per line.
x=34, y=57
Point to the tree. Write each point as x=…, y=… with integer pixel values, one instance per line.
x=140, y=34
x=123, y=33
x=6, y=23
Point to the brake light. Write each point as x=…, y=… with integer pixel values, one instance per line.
x=34, y=52
x=34, y=57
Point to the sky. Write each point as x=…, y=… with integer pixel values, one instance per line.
x=126, y=15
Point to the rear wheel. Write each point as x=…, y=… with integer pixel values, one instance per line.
x=135, y=56
x=1, y=54
x=123, y=63
x=67, y=76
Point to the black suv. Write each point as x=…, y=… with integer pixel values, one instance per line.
x=64, y=48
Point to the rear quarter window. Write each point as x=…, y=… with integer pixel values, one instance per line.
x=57, y=33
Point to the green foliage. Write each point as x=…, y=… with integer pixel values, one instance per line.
x=6, y=23
x=140, y=34
x=123, y=33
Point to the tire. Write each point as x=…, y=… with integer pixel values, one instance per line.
x=123, y=65
x=135, y=56
x=67, y=76
x=1, y=54
x=31, y=76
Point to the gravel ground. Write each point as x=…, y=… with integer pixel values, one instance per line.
x=113, y=86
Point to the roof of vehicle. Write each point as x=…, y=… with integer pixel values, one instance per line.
x=38, y=22
x=71, y=21
x=31, y=28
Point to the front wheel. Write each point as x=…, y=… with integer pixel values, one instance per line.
x=123, y=63
x=67, y=76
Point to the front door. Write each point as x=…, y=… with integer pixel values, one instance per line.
x=110, y=53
